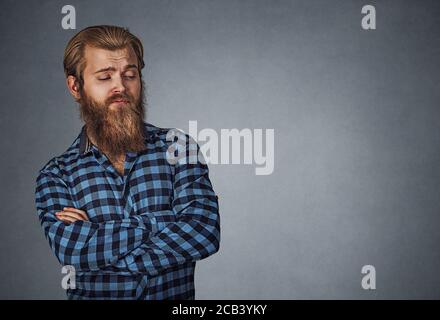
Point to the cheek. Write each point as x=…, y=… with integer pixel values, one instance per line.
x=97, y=93
x=134, y=89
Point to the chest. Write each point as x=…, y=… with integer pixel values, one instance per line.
x=146, y=188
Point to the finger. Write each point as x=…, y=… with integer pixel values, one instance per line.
x=81, y=216
x=81, y=212
x=74, y=215
x=73, y=209
x=67, y=219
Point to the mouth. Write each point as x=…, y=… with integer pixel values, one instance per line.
x=120, y=101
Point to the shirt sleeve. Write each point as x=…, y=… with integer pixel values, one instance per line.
x=85, y=245
x=194, y=235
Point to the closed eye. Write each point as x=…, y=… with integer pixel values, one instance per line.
x=127, y=77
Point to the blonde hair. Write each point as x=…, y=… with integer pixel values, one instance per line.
x=103, y=37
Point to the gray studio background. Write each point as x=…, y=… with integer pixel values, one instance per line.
x=357, y=136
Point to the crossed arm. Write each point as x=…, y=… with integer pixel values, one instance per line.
x=132, y=245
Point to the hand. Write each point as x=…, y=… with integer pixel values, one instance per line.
x=70, y=215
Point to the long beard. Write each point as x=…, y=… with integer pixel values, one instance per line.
x=118, y=130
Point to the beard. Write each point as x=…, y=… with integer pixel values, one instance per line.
x=115, y=130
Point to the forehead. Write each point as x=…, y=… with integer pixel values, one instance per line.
x=97, y=58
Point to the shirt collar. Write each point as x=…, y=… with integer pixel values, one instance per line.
x=85, y=145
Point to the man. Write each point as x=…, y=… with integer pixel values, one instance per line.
x=118, y=205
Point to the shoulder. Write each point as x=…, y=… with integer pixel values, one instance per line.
x=168, y=136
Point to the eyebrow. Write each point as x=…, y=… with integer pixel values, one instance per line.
x=129, y=66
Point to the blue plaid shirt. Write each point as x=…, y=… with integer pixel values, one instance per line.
x=146, y=229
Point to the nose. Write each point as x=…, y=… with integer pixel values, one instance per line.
x=118, y=85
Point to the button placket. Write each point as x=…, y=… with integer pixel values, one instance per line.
x=110, y=171
x=129, y=163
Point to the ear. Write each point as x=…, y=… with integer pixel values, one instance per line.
x=73, y=86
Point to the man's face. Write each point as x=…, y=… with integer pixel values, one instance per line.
x=111, y=100
x=111, y=77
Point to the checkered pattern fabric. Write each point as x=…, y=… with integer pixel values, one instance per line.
x=146, y=229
